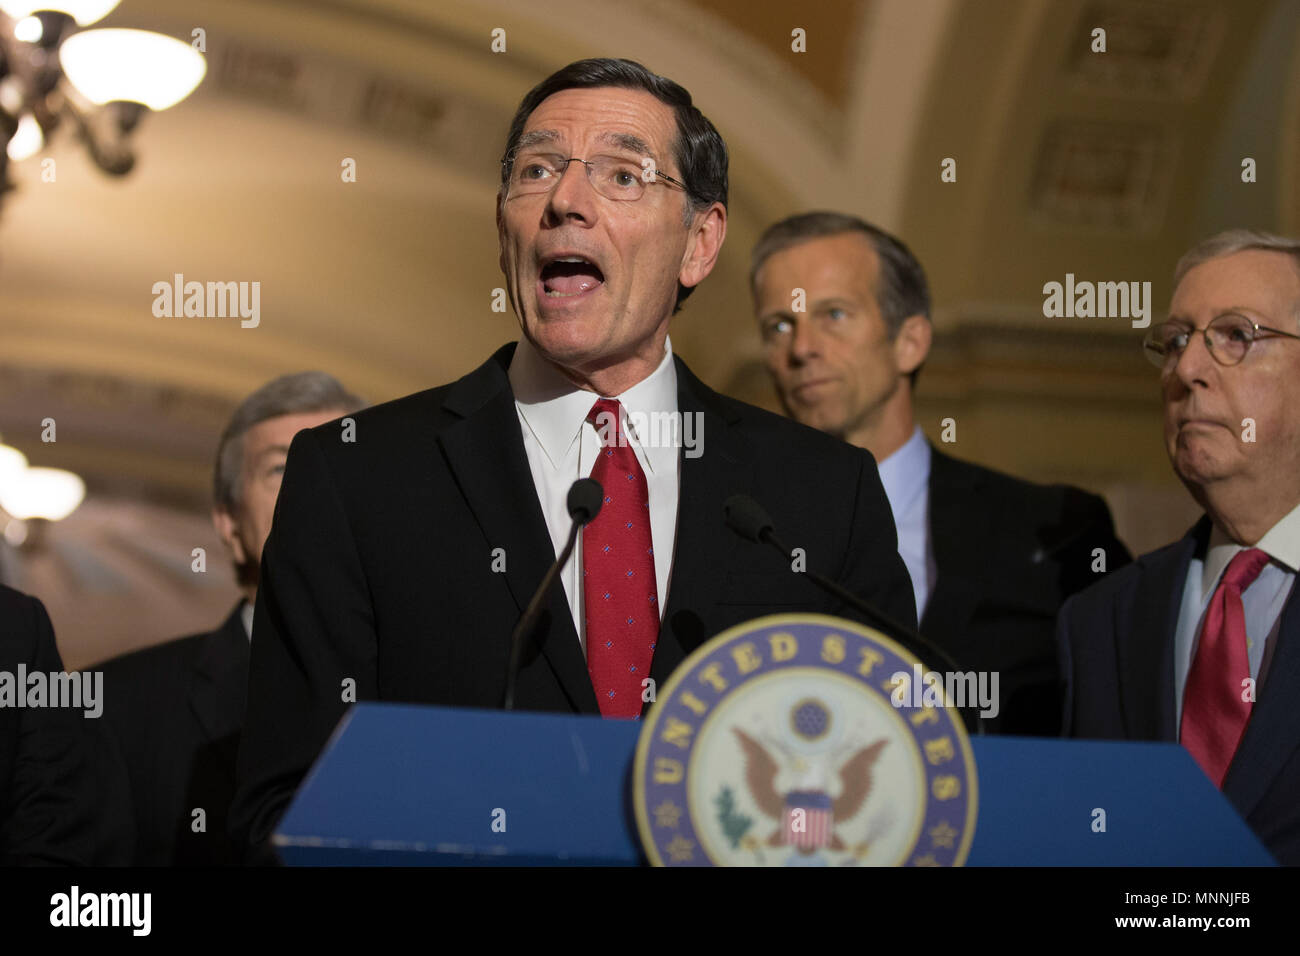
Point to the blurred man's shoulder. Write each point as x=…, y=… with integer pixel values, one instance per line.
x=159, y=669
x=166, y=659
x=392, y=419
x=24, y=623
x=791, y=441
x=1030, y=499
x=15, y=605
x=174, y=655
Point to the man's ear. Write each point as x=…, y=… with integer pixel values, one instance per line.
x=228, y=528
x=708, y=230
x=912, y=343
x=501, y=235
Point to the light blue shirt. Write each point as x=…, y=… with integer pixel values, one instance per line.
x=906, y=477
x=1262, y=601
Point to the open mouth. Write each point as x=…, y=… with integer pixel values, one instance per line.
x=569, y=276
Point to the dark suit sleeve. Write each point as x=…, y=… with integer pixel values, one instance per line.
x=313, y=641
x=47, y=808
x=1065, y=662
x=116, y=843
x=1097, y=530
x=873, y=569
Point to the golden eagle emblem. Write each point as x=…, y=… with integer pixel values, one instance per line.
x=807, y=815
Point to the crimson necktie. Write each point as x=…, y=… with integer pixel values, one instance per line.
x=1214, y=711
x=619, y=594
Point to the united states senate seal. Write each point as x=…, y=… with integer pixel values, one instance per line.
x=786, y=741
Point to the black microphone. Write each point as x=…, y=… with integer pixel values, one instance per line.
x=584, y=501
x=746, y=517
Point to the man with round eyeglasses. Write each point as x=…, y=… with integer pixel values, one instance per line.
x=1199, y=641
x=1228, y=337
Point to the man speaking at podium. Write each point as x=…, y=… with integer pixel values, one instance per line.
x=407, y=541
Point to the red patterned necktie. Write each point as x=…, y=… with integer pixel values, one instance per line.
x=1214, y=713
x=619, y=595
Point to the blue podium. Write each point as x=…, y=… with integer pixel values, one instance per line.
x=413, y=786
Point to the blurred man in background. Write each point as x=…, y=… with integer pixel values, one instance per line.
x=991, y=557
x=175, y=710
x=1200, y=641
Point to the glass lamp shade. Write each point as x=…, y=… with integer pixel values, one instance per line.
x=85, y=12
x=49, y=493
x=29, y=30
x=137, y=66
x=27, y=140
x=12, y=462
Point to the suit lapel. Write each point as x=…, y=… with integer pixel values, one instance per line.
x=218, y=683
x=959, y=524
x=1270, y=736
x=485, y=452
x=704, y=544
x=1144, y=650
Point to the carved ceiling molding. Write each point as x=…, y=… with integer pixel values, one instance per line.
x=1155, y=49
x=22, y=389
x=1103, y=176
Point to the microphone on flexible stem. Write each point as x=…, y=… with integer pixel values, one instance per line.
x=584, y=501
x=746, y=517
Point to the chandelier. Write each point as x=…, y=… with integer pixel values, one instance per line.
x=33, y=498
x=96, y=82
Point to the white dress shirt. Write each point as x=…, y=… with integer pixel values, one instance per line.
x=906, y=477
x=562, y=446
x=246, y=615
x=1262, y=601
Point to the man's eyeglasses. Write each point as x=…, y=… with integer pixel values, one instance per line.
x=614, y=177
x=1228, y=338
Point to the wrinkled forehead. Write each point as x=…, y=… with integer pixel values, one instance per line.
x=607, y=117
x=845, y=262
x=1253, y=282
x=540, y=139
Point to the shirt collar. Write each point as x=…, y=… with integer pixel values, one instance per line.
x=246, y=618
x=1281, y=543
x=554, y=409
x=906, y=473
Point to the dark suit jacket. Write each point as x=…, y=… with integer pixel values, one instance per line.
x=1117, y=656
x=1008, y=553
x=48, y=804
x=378, y=568
x=175, y=712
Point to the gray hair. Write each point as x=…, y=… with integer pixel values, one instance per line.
x=286, y=395
x=1231, y=241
